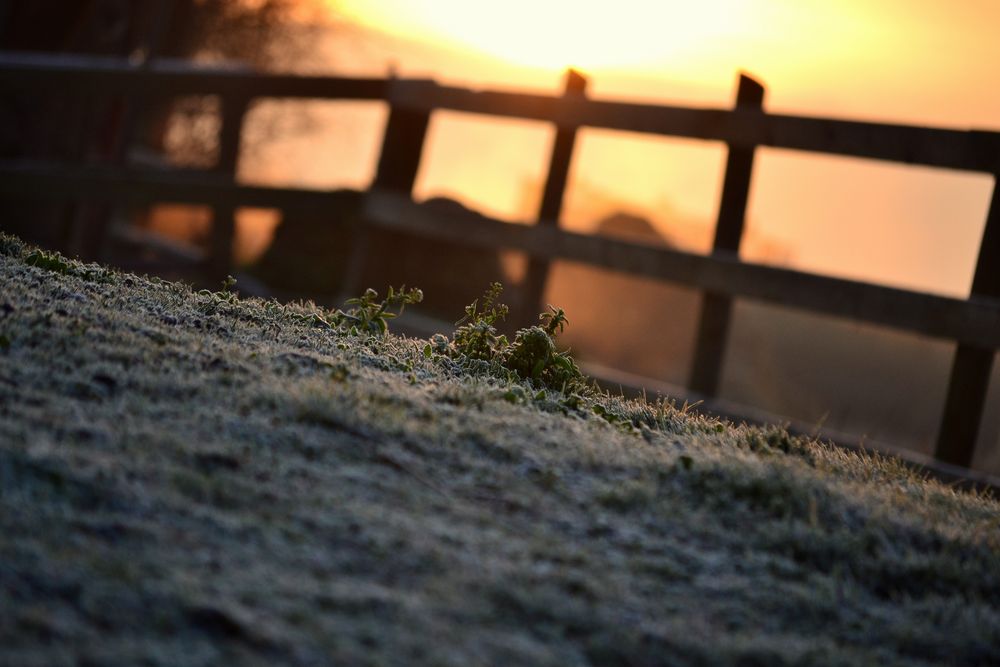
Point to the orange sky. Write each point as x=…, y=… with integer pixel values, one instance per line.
x=887, y=47
x=894, y=60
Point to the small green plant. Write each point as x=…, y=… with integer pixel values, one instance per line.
x=10, y=246
x=490, y=311
x=476, y=336
x=532, y=355
x=47, y=260
x=213, y=300
x=370, y=315
x=226, y=292
x=553, y=321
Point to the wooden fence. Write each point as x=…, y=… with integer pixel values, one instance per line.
x=973, y=323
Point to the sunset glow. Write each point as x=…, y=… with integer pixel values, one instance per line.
x=566, y=33
x=697, y=37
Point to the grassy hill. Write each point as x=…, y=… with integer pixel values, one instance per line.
x=187, y=478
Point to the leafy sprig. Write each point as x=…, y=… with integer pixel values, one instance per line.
x=368, y=314
x=531, y=356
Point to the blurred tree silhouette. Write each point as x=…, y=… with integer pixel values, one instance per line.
x=236, y=29
x=247, y=30
x=87, y=128
x=264, y=34
x=251, y=31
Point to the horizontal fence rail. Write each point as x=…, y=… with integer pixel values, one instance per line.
x=926, y=314
x=101, y=76
x=971, y=150
x=973, y=323
x=44, y=179
x=955, y=149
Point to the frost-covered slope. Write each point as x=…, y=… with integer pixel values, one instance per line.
x=186, y=478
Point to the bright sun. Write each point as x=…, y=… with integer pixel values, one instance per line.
x=554, y=34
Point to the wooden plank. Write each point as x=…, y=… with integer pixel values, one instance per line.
x=126, y=112
x=194, y=186
x=81, y=128
x=713, y=326
x=969, y=381
x=20, y=72
x=402, y=147
x=933, y=147
x=536, y=276
x=975, y=321
x=220, y=258
x=176, y=252
x=739, y=168
x=968, y=384
x=398, y=165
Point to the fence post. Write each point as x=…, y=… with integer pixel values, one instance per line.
x=402, y=146
x=971, y=368
x=398, y=164
x=128, y=112
x=533, y=286
x=220, y=258
x=713, y=328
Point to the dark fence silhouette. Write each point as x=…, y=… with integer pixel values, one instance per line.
x=973, y=323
